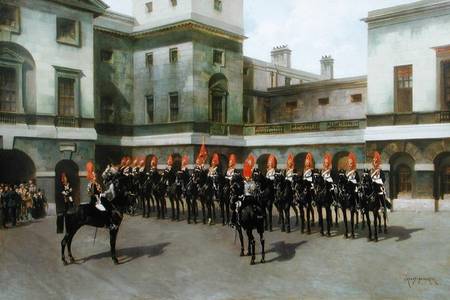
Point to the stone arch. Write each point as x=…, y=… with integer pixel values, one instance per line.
x=400, y=164
x=261, y=162
x=442, y=175
x=20, y=62
x=218, y=96
x=70, y=168
x=16, y=167
x=340, y=160
x=393, y=148
x=435, y=149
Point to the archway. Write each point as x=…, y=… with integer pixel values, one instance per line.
x=16, y=167
x=218, y=94
x=299, y=161
x=442, y=176
x=402, y=179
x=261, y=162
x=70, y=168
x=340, y=160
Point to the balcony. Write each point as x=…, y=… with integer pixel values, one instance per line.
x=8, y=118
x=409, y=118
x=290, y=128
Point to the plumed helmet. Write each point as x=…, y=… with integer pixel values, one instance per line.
x=290, y=164
x=376, y=158
x=351, y=161
x=309, y=161
x=248, y=167
x=142, y=162
x=90, y=171
x=170, y=160
x=123, y=161
x=185, y=161
x=232, y=161
x=215, y=160
x=154, y=161
x=272, y=161
x=202, y=154
x=327, y=160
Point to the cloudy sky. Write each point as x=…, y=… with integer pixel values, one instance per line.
x=311, y=28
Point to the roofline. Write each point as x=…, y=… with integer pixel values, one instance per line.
x=292, y=71
x=98, y=7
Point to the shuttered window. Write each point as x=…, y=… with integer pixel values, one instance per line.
x=404, y=88
x=66, y=97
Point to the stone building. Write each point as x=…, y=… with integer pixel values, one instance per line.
x=79, y=82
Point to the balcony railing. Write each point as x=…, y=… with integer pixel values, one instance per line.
x=287, y=128
x=47, y=120
x=67, y=122
x=8, y=118
x=444, y=116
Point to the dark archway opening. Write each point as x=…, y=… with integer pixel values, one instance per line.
x=16, y=167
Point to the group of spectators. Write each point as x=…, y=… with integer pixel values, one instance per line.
x=21, y=203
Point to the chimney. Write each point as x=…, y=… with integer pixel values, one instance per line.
x=281, y=56
x=327, y=67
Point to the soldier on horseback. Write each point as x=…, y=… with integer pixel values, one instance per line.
x=67, y=193
x=378, y=179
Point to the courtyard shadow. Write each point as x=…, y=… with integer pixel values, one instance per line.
x=126, y=255
x=399, y=232
x=285, y=251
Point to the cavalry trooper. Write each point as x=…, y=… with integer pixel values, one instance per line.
x=379, y=178
x=308, y=170
x=94, y=189
x=327, y=171
x=213, y=169
x=231, y=167
x=352, y=174
x=271, y=167
x=290, y=171
x=169, y=177
x=67, y=193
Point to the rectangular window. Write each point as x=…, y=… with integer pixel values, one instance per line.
x=9, y=18
x=173, y=55
x=174, y=2
x=107, y=110
x=287, y=81
x=149, y=6
x=149, y=59
x=324, y=101
x=8, y=89
x=403, y=87
x=150, y=108
x=357, y=98
x=404, y=176
x=217, y=109
x=68, y=31
x=218, y=57
x=66, y=97
x=447, y=85
x=106, y=56
x=218, y=5
x=173, y=99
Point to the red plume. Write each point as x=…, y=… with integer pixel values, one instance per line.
x=272, y=161
x=90, y=170
x=248, y=166
x=377, y=157
x=290, y=164
x=352, y=157
x=309, y=161
x=202, y=154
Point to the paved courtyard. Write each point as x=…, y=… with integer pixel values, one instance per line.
x=166, y=260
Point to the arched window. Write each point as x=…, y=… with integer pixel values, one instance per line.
x=404, y=179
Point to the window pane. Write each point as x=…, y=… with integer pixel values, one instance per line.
x=8, y=89
x=404, y=175
x=173, y=55
x=173, y=107
x=66, y=96
x=404, y=85
x=217, y=111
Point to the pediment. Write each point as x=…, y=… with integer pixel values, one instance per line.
x=9, y=55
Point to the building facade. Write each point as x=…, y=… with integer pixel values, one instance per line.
x=80, y=83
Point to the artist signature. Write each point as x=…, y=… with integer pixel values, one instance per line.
x=421, y=281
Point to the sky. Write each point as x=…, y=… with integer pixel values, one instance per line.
x=311, y=29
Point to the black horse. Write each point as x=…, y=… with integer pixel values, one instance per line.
x=323, y=199
x=267, y=187
x=88, y=214
x=303, y=197
x=200, y=180
x=283, y=201
x=249, y=215
x=347, y=197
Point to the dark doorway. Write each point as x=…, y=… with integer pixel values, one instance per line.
x=16, y=167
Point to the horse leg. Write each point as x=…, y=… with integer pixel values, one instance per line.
x=112, y=241
x=202, y=201
x=287, y=218
x=63, y=247
x=320, y=216
x=251, y=240
x=344, y=214
x=363, y=223
x=312, y=215
x=270, y=217
x=213, y=207
x=336, y=215
x=296, y=214
x=209, y=204
x=376, y=217
x=368, y=225
x=177, y=203
x=69, y=245
x=188, y=204
x=143, y=207
x=241, y=239
x=302, y=217
x=379, y=221
x=357, y=218
x=281, y=219
x=308, y=218
x=329, y=219
x=158, y=207
x=195, y=209
x=384, y=219
x=227, y=208
x=352, y=221
x=263, y=252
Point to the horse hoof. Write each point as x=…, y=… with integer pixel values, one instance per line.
x=263, y=260
x=289, y=230
x=322, y=234
x=328, y=234
x=376, y=239
x=249, y=254
x=345, y=236
x=71, y=259
x=309, y=232
x=283, y=230
x=116, y=261
x=369, y=239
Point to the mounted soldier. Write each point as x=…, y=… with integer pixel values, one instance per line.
x=200, y=178
x=169, y=179
x=225, y=204
x=214, y=188
x=269, y=192
x=154, y=177
x=329, y=178
x=182, y=183
x=94, y=189
x=67, y=193
x=379, y=179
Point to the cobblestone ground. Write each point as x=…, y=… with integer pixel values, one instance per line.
x=173, y=260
